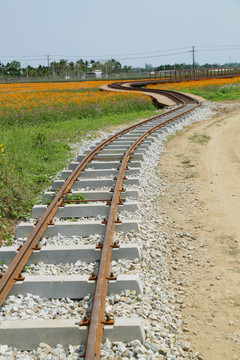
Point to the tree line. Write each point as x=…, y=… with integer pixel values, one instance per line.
x=80, y=68
x=62, y=68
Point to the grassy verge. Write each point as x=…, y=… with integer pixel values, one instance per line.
x=216, y=92
x=35, y=153
x=210, y=89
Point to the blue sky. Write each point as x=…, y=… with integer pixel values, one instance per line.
x=134, y=31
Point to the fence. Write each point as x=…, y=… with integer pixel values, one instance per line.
x=162, y=76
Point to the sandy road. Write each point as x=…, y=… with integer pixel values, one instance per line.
x=202, y=202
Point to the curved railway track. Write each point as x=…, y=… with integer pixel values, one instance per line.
x=116, y=156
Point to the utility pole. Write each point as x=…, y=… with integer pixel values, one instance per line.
x=193, y=59
x=27, y=70
x=48, y=68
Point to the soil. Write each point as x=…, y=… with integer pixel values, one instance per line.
x=200, y=206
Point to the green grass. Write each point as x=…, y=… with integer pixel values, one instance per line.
x=201, y=139
x=216, y=92
x=190, y=175
x=187, y=163
x=172, y=136
x=233, y=250
x=35, y=153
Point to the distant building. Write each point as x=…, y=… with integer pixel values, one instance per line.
x=98, y=73
x=92, y=74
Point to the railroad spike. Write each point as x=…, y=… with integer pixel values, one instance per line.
x=36, y=248
x=85, y=322
x=93, y=276
x=111, y=277
x=115, y=245
x=20, y=277
x=51, y=222
x=108, y=320
x=99, y=245
x=118, y=221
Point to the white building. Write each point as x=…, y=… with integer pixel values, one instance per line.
x=98, y=73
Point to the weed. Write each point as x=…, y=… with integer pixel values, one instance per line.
x=224, y=238
x=190, y=175
x=48, y=201
x=233, y=250
x=172, y=136
x=179, y=155
x=26, y=267
x=237, y=302
x=40, y=140
x=217, y=122
x=8, y=241
x=1, y=151
x=75, y=197
x=5, y=234
x=199, y=138
x=187, y=163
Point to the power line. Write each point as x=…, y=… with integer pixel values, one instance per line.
x=111, y=55
x=123, y=57
x=153, y=56
x=225, y=49
x=41, y=57
x=219, y=46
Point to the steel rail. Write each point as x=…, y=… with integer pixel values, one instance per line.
x=97, y=321
x=13, y=272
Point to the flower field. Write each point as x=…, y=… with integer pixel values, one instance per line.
x=211, y=89
x=44, y=102
x=40, y=125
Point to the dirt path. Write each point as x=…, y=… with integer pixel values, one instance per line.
x=200, y=206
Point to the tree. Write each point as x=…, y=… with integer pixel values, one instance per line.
x=42, y=70
x=82, y=66
x=13, y=68
x=62, y=67
x=112, y=67
x=1, y=68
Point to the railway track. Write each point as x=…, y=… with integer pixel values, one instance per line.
x=90, y=201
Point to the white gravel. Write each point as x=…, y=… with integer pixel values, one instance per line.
x=156, y=306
